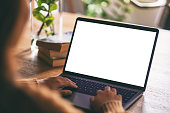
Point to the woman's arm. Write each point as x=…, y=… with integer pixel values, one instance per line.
x=32, y=82
x=52, y=83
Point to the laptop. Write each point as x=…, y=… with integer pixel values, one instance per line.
x=104, y=53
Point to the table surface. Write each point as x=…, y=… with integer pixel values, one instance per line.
x=156, y=98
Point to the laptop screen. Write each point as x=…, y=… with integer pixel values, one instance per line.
x=111, y=52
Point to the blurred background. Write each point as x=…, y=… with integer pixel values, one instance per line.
x=155, y=13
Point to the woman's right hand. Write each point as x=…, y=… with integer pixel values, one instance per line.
x=55, y=83
x=103, y=97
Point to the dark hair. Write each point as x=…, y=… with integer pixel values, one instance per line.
x=9, y=10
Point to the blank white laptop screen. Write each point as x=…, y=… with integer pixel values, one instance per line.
x=111, y=52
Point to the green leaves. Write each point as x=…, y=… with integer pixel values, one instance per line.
x=39, y=2
x=48, y=33
x=53, y=6
x=110, y=9
x=38, y=15
x=41, y=8
x=48, y=2
x=49, y=20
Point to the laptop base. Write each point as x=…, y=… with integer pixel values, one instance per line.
x=80, y=100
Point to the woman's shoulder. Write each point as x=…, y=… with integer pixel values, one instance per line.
x=16, y=100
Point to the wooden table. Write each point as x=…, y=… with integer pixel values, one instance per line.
x=156, y=98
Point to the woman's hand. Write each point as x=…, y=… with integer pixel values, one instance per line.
x=103, y=97
x=55, y=83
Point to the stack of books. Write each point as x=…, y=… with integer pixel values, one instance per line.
x=51, y=52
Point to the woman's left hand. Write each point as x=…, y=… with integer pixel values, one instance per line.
x=55, y=83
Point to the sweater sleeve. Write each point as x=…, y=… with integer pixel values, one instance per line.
x=32, y=82
x=113, y=107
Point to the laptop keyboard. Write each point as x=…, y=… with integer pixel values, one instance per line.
x=90, y=88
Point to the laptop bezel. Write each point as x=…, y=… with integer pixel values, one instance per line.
x=133, y=26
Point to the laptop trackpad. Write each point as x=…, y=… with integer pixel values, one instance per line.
x=80, y=100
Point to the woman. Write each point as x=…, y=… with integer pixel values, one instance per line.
x=41, y=97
